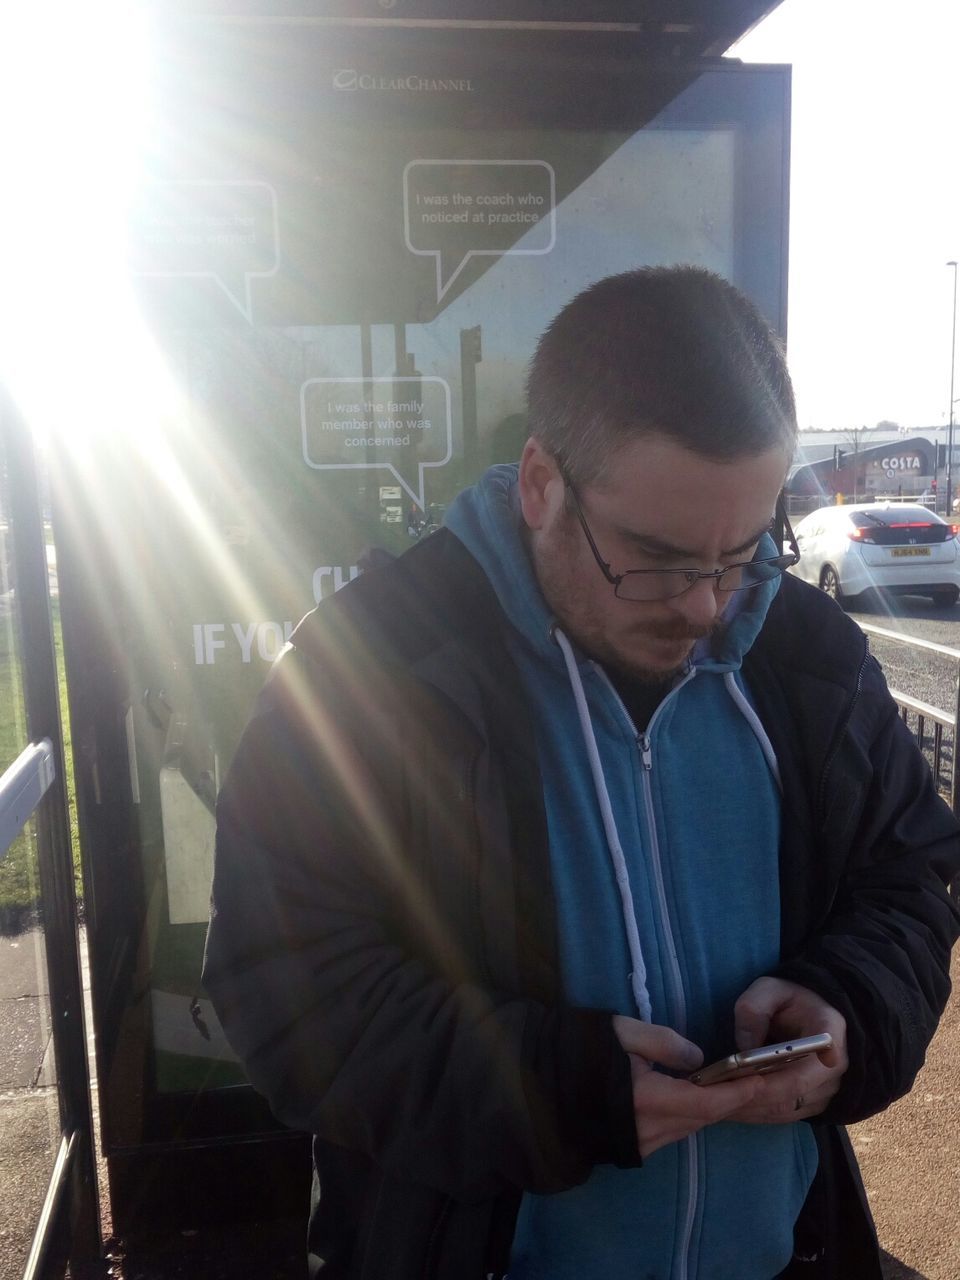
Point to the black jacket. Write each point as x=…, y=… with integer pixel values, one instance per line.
x=382, y=949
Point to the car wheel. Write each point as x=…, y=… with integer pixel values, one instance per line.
x=946, y=597
x=830, y=583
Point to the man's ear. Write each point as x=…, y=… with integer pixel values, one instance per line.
x=540, y=483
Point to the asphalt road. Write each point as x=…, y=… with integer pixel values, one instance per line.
x=927, y=676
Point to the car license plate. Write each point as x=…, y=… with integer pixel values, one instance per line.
x=910, y=551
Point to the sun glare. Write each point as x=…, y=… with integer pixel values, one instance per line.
x=73, y=103
x=75, y=350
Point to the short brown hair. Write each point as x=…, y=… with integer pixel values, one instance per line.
x=675, y=350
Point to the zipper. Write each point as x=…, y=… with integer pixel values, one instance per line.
x=675, y=977
x=681, y=1268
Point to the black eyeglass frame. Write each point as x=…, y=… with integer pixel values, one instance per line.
x=781, y=562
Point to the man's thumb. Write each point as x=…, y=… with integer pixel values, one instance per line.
x=657, y=1044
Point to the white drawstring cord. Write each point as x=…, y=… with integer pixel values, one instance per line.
x=638, y=976
x=753, y=720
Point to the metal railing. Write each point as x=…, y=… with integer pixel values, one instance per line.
x=800, y=505
x=936, y=729
x=22, y=787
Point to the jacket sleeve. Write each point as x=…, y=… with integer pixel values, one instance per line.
x=353, y=1012
x=881, y=955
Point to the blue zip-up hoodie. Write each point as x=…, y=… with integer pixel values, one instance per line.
x=664, y=857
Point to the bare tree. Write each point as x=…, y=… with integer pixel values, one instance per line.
x=854, y=438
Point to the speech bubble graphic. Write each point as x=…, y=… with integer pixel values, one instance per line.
x=206, y=229
x=455, y=210
x=401, y=424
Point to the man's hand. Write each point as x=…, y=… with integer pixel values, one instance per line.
x=771, y=1010
x=666, y=1109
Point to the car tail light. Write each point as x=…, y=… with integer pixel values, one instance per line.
x=954, y=530
x=859, y=535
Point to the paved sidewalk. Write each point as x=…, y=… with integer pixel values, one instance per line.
x=29, y=1110
x=910, y=1158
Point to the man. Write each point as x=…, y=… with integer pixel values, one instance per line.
x=578, y=792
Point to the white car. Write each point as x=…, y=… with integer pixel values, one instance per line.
x=895, y=547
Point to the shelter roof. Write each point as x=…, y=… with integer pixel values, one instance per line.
x=662, y=29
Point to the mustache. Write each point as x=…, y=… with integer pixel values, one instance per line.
x=680, y=630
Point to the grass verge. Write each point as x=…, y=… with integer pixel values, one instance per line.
x=19, y=872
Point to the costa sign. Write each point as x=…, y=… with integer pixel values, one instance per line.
x=901, y=462
x=898, y=464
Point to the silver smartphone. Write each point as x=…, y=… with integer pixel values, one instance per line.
x=770, y=1057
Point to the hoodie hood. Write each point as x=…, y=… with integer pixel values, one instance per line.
x=488, y=521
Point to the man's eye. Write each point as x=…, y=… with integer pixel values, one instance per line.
x=654, y=557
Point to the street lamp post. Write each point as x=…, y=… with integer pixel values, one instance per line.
x=953, y=362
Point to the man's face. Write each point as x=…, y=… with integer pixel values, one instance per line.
x=658, y=506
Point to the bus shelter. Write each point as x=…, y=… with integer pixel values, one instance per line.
x=350, y=229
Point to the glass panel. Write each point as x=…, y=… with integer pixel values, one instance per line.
x=13, y=733
x=29, y=1109
x=346, y=282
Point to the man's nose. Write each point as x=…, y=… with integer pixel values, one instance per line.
x=700, y=604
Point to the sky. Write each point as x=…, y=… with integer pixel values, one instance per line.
x=874, y=205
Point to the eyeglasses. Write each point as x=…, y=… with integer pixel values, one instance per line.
x=648, y=585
